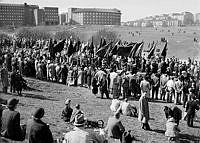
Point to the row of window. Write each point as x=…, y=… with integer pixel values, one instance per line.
x=87, y=22
x=99, y=13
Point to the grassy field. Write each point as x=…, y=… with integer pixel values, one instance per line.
x=52, y=96
x=180, y=45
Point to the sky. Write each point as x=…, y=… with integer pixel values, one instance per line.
x=130, y=9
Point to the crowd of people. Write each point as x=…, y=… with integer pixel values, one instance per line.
x=118, y=77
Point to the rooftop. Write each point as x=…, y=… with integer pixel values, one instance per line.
x=97, y=10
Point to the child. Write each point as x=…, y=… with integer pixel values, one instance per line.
x=172, y=129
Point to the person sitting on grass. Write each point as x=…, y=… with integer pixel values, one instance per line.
x=80, y=135
x=127, y=109
x=172, y=129
x=67, y=111
x=114, y=128
x=115, y=105
x=76, y=112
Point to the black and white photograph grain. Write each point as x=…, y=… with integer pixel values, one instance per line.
x=99, y=71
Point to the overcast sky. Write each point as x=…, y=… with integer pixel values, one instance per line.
x=130, y=9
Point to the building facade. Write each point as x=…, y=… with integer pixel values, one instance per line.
x=27, y=15
x=12, y=14
x=51, y=15
x=94, y=16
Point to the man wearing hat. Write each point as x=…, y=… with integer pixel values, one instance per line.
x=37, y=131
x=67, y=111
x=79, y=135
x=114, y=128
x=11, y=121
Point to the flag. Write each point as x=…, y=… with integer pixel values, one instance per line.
x=104, y=42
x=102, y=51
x=151, y=52
x=138, y=52
x=70, y=48
x=60, y=46
x=108, y=50
x=91, y=47
x=164, y=51
x=124, y=50
x=113, y=51
x=134, y=49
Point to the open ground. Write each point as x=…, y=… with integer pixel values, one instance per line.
x=51, y=97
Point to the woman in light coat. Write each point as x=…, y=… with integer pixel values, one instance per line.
x=143, y=113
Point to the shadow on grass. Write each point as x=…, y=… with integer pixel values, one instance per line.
x=185, y=138
x=159, y=131
x=32, y=89
x=30, y=95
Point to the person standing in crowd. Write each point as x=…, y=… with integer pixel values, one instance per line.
x=178, y=90
x=75, y=75
x=113, y=74
x=185, y=87
x=125, y=86
x=19, y=82
x=114, y=128
x=155, y=86
x=10, y=121
x=12, y=81
x=191, y=107
x=104, y=86
x=4, y=78
x=116, y=88
x=143, y=113
x=63, y=74
x=89, y=76
x=145, y=86
x=67, y=111
x=163, y=85
x=170, y=89
x=94, y=86
x=37, y=131
x=81, y=73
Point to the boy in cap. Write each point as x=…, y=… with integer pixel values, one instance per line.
x=11, y=121
x=67, y=111
x=37, y=131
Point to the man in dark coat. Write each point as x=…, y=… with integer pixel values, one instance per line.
x=37, y=131
x=67, y=111
x=11, y=122
x=104, y=86
x=190, y=109
x=12, y=81
x=114, y=127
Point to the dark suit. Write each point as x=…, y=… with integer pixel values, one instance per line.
x=114, y=128
x=38, y=132
x=11, y=125
x=190, y=109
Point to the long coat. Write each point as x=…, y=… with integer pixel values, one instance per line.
x=11, y=125
x=38, y=132
x=4, y=77
x=143, y=113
